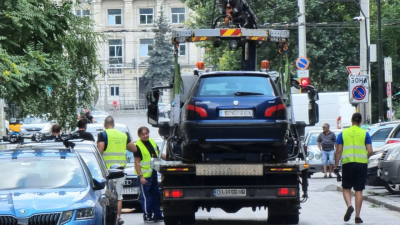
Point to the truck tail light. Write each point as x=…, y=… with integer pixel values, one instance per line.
x=195, y=111
x=173, y=193
x=392, y=141
x=276, y=111
x=286, y=192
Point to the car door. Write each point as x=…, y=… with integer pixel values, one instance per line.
x=111, y=192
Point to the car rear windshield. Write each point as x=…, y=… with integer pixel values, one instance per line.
x=41, y=173
x=231, y=85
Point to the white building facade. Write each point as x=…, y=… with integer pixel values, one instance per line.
x=129, y=26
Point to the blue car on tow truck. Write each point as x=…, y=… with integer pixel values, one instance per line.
x=49, y=183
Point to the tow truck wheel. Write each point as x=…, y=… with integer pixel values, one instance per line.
x=283, y=213
x=171, y=220
x=188, y=219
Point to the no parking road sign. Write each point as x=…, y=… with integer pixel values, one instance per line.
x=302, y=63
x=359, y=89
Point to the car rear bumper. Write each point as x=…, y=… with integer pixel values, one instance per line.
x=234, y=131
x=390, y=171
x=372, y=177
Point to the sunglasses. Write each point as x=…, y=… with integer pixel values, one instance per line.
x=323, y=127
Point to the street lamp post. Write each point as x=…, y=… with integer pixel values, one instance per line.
x=380, y=72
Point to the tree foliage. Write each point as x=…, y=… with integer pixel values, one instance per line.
x=47, y=58
x=160, y=62
x=329, y=50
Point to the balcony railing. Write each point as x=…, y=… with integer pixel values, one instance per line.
x=112, y=67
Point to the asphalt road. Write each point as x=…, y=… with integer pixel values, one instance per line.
x=325, y=205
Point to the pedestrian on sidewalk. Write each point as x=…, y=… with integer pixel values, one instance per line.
x=354, y=145
x=115, y=103
x=390, y=115
x=326, y=144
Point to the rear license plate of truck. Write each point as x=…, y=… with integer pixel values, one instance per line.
x=229, y=192
x=236, y=113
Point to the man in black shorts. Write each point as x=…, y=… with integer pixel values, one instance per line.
x=354, y=145
x=82, y=125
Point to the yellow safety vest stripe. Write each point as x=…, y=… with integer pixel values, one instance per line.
x=145, y=163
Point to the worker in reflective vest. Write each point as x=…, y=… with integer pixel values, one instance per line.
x=354, y=145
x=148, y=179
x=113, y=144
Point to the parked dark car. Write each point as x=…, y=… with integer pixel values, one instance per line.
x=224, y=109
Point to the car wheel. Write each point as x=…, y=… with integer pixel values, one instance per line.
x=392, y=188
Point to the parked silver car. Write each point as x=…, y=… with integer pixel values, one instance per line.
x=33, y=124
x=379, y=133
x=389, y=168
x=314, y=154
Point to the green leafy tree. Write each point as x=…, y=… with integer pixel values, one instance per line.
x=47, y=58
x=161, y=61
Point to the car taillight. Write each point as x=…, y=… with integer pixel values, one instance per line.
x=195, y=111
x=392, y=141
x=305, y=147
x=276, y=111
x=286, y=192
x=173, y=193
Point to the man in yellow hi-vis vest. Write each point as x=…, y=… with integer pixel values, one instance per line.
x=148, y=182
x=354, y=146
x=113, y=144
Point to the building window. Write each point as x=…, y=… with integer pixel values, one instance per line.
x=83, y=13
x=178, y=15
x=114, y=90
x=146, y=16
x=146, y=46
x=115, y=51
x=182, y=49
x=114, y=17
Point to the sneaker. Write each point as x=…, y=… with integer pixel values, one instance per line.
x=325, y=176
x=120, y=221
x=158, y=218
x=330, y=176
x=349, y=211
x=148, y=220
x=359, y=220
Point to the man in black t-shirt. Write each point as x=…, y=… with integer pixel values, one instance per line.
x=82, y=125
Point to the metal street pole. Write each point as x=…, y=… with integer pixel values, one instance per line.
x=380, y=59
x=137, y=74
x=2, y=122
x=105, y=81
x=364, y=51
x=302, y=28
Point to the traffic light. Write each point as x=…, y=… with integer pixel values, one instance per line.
x=304, y=81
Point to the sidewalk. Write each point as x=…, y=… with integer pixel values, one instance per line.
x=378, y=195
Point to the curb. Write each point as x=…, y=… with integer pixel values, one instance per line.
x=375, y=200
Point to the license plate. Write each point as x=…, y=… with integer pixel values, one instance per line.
x=229, y=192
x=132, y=191
x=236, y=113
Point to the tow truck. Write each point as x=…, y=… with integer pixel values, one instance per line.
x=190, y=185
